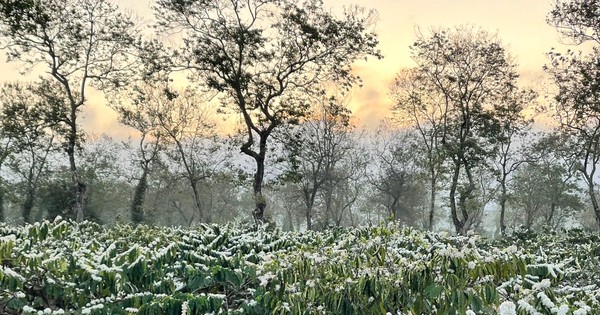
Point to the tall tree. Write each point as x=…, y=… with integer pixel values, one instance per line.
x=194, y=147
x=79, y=42
x=26, y=116
x=6, y=149
x=420, y=105
x=400, y=180
x=261, y=54
x=136, y=110
x=179, y=124
x=470, y=70
x=545, y=191
x=577, y=77
x=315, y=149
x=509, y=129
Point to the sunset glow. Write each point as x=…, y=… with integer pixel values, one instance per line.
x=521, y=25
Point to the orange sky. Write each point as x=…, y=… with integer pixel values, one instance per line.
x=520, y=24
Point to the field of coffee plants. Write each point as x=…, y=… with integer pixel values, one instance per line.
x=65, y=268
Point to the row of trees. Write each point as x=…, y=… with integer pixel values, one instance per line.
x=465, y=144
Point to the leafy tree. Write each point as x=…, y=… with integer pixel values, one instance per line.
x=399, y=182
x=80, y=42
x=315, y=150
x=577, y=101
x=419, y=104
x=470, y=71
x=545, y=191
x=26, y=118
x=577, y=20
x=260, y=55
x=509, y=128
x=136, y=110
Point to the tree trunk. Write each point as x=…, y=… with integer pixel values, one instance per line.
x=2, y=218
x=309, y=200
x=137, y=204
x=308, y=219
x=259, y=200
x=458, y=225
x=594, y=200
x=432, y=202
x=202, y=217
x=503, y=207
x=28, y=205
x=79, y=187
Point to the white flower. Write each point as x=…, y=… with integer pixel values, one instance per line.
x=511, y=249
x=184, y=308
x=545, y=300
x=562, y=310
x=469, y=312
x=507, y=308
x=541, y=285
x=471, y=265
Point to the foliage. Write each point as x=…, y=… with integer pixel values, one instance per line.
x=60, y=266
x=577, y=78
x=465, y=73
x=263, y=58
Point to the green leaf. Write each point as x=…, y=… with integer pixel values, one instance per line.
x=433, y=291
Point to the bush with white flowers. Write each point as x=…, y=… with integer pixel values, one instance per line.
x=62, y=267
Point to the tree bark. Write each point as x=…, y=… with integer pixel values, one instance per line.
x=28, y=205
x=259, y=200
x=2, y=218
x=79, y=187
x=458, y=225
x=592, y=193
x=503, y=199
x=202, y=217
x=432, y=202
x=137, y=205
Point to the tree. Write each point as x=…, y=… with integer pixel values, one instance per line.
x=315, y=150
x=545, y=191
x=577, y=101
x=577, y=20
x=508, y=129
x=262, y=56
x=470, y=71
x=26, y=118
x=80, y=42
x=137, y=110
x=400, y=180
x=418, y=103
x=182, y=127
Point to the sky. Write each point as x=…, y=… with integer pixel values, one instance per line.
x=520, y=24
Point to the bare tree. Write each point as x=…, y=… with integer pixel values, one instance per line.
x=193, y=145
x=509, y=128
x=136, y=110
